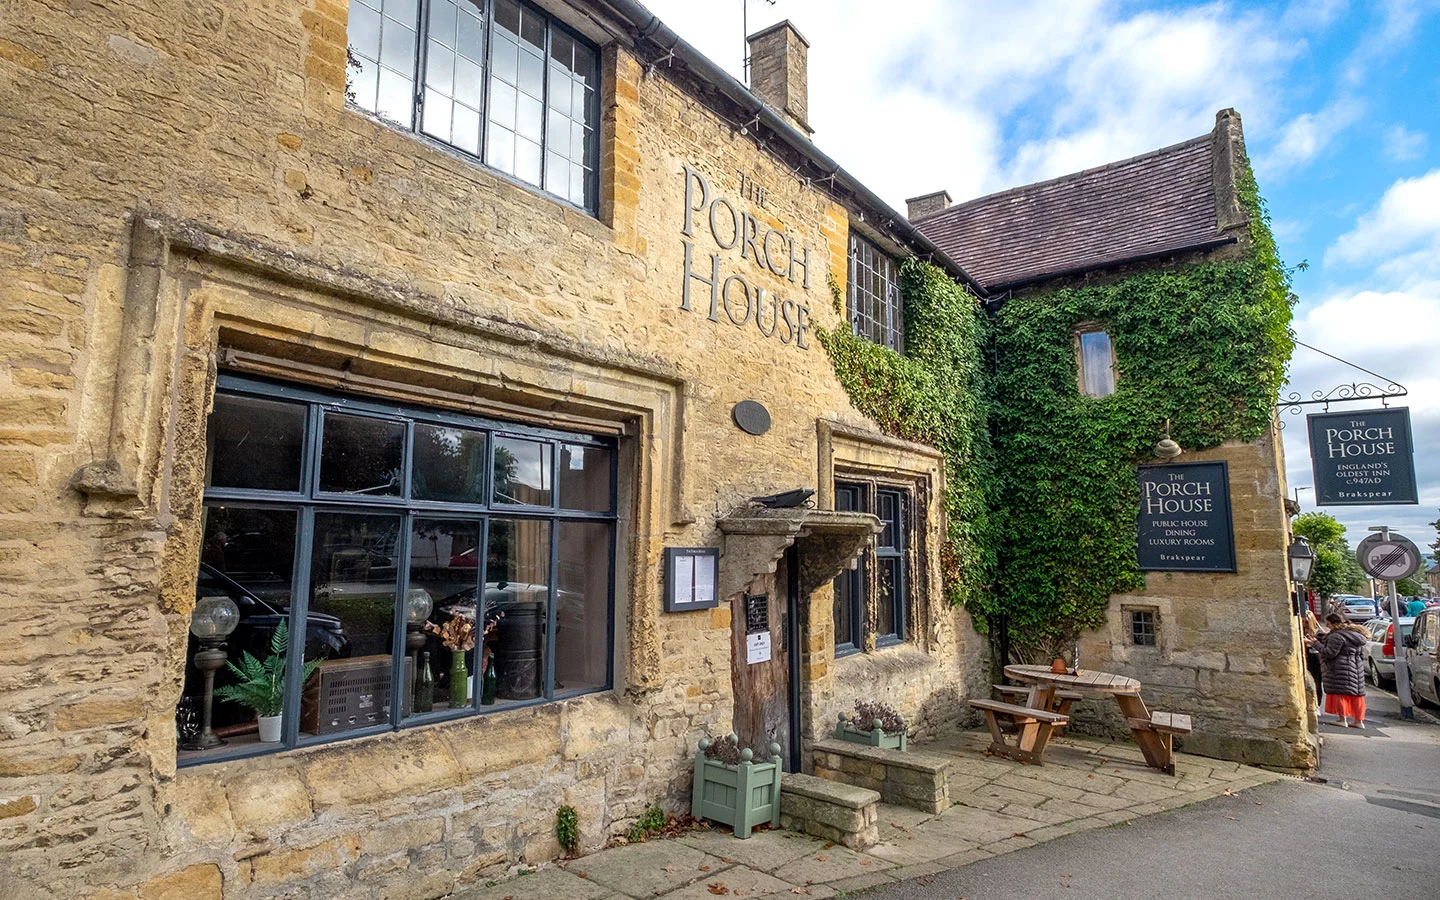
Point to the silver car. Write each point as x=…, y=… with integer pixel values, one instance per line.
x=1381, y=649
x=1423, y=651
x=1358, y=608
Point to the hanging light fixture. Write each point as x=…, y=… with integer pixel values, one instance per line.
x=1302, y=560
x=1166, y=448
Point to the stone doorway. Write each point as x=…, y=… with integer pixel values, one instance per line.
x=767, y=692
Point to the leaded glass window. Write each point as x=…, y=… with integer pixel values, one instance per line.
x=874, y=303
x=498, y=80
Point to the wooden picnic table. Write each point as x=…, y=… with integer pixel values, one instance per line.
x=1155, y=744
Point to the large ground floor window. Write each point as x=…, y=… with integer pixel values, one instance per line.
x=873, y=598
x=356, y=552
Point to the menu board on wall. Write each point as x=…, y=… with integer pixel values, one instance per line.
x=1185, y=523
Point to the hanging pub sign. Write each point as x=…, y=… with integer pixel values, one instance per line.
x=1184, y=523
x=1363, y=458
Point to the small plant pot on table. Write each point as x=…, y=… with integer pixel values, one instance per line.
x=734, y=789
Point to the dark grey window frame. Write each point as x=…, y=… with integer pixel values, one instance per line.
x=1144, y=627
x=863, y=580
x=877, y=316
x=854, y=499
x=414, y=126
x=310, y=500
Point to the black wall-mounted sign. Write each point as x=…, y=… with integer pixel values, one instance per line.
x=1184, y=523
x=757, y=613
x=1363, y=458
x=751, y=416
x=692, y=576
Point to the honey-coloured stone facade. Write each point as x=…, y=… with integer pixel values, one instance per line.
x=184, y=191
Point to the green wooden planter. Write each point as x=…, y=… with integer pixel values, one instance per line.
x=740, y=796
x=875, y=738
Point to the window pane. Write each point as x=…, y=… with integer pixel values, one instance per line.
x=523, y=471
x=582, y=604
x=247, y=555
x=532, y=29
x=532, y=74
x=254, y=443
x=353, y=580
x=502, y=105
x=888, y=570
x=465, y=132
x=397, y=45
x=1097, y=356
x=528, y=114
x=444, y=579
x=562, y=48
x=360, y=455
x=469, y=83
x=396, y=99
x=500, y=152
x=470, y=37
x=527, y=161
x=449, y=464
x=585, y=477
x=440, y=68
x=437, y=115
x=442, y=22
x=363, y=32
x=504, y=59
x=844, y=599
x=516, y=597
x=507, y=16
x=364, y=82
x=889, y=513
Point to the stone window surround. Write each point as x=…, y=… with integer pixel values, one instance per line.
x=849, y=453
x=195, y=301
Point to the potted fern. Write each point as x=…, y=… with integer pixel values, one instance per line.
x=261, y=685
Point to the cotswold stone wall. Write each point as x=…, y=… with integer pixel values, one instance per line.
x=1228, y=650
x=183, y=190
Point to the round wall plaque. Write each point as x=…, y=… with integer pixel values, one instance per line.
x=752, y=417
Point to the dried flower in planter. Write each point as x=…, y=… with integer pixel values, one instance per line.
x=724, y=749
x=459, y=632
x=868, y=715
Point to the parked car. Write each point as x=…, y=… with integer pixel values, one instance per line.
x=1423, y=651
x=1358, y=608
x=1381, y=649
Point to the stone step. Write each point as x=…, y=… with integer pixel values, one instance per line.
x=918, y=780
x=831, y=810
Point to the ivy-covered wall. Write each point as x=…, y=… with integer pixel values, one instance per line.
x=1041, y=492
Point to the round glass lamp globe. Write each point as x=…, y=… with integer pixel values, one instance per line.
x=418, y=605
x=214, y=617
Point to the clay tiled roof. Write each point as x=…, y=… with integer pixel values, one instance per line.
x=1161, y=201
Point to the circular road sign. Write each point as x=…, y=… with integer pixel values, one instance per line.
x=1388, y=559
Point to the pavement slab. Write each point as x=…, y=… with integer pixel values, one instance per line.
x=544, y=884
x=827, y=864
x=766, y=851
x=648, y=869
x=743, y=882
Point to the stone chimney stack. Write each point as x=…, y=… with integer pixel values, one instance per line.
x=778, y=72
x=925, y=204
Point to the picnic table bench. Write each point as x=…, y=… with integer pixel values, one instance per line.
x=1033, y=728
x=1153, y=732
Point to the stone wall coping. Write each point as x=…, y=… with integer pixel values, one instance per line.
x=920, y=762
x=835, y=792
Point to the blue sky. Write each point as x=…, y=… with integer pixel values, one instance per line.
x=1341, y=107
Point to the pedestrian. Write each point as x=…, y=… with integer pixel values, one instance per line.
x=1415, y=607
x=1310, y=626
x=1342, y=663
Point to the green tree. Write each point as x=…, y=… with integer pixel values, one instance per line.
x=1336, y=569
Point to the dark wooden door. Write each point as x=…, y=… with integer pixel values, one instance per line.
x=763, y=690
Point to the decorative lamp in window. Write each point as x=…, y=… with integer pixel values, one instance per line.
x=435, y=566
x=502, y=82
x=1097, y=362
x=874, y=305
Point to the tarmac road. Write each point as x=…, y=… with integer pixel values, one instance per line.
x=1371, y=831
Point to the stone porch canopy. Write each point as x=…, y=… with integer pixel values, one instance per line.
x=756, y=538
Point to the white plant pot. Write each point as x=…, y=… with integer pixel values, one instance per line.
x=270, y=728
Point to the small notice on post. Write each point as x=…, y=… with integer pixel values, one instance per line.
x=757, y=648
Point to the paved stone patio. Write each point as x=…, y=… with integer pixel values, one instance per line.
x=999, y=806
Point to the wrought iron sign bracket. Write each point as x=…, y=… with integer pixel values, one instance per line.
x=1295, y=401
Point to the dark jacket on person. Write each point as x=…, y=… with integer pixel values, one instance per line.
x=1342, y=661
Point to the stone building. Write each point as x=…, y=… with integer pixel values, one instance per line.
x=464, y=326
x=1220, y=645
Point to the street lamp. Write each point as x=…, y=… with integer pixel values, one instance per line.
x=1302, y=562
x=213, y=620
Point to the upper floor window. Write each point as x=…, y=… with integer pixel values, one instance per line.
x=1097, y=362
x=501, y=82
x=874, y=296
x=355, y=552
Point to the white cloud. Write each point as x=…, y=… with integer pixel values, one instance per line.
x=1403, y=145
x=1306, y=136
x=1407, y=218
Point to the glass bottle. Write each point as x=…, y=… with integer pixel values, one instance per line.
x=489, y=683
x=424, y=685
